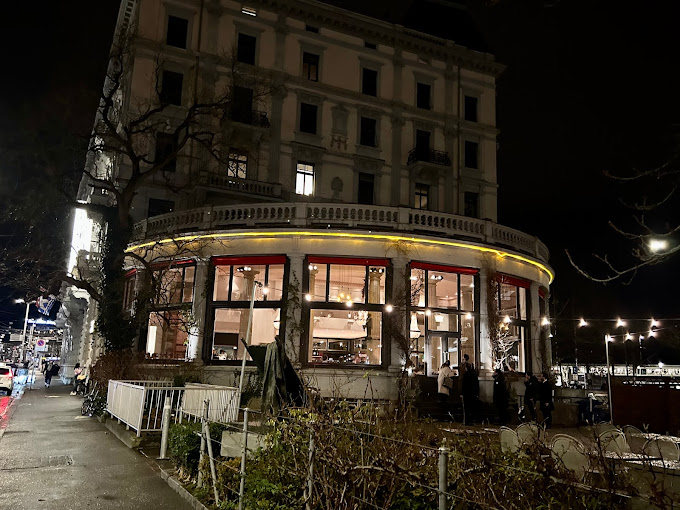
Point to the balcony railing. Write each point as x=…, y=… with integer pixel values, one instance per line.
x=339, y=216
x=252, y=117
x=224, y=182
x=428, y=155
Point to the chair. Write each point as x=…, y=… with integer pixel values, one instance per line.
x=635, y=438
x=510, y=442
x=662, y=448
x=571, y=453
x=528, y=433
x=614, y=441
x=603, y=427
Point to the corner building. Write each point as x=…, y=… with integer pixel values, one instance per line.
x=359, y=197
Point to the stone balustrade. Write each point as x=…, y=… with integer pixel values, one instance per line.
x=338, y=216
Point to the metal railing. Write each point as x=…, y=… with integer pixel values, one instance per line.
x=225, y=182
x=139, y=404
x=315, y=215
x=429, y=156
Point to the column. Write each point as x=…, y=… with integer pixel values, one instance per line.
x=485, y=351
x=400, y=301
x=294, y=318
x=197, y=336
x=397, y=125
x=275, y=135
x=373, y=336
x=539, y=355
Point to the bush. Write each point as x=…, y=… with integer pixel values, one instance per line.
x=184, y=446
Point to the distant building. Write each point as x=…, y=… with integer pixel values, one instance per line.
x=361, y=194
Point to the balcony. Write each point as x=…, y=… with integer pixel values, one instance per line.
x=427, y=155
x=254, y=118
x=392, y=220
x=221, y=182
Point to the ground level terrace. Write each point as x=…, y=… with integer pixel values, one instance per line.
x=346, y=304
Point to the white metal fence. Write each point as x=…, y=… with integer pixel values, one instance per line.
x=139, y=404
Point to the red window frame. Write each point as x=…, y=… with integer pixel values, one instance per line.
x=443, y=268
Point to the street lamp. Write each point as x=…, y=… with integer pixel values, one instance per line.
x=657, y=245
x=23, y=335
x=608, y=339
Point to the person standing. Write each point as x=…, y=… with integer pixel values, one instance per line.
x=470, y=391
x=501, y=396
x=530, y=394
x=546, y=398
x=443, y=384
x=48, y=374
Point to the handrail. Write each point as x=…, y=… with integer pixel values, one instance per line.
x=342, y=216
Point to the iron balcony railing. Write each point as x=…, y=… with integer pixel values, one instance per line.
x=428, y=155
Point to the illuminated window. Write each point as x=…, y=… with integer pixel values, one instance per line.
x=422, y=195
x=167, y=334
x=237, y=165
x=511, y=299
x=304, y=179
x=174, y=285
x=310, y=66
x=249, y=11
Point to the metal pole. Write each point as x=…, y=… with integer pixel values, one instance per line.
x=247, y=341
x=23, y=336
x=310, y=471
x=204, y=418
x=607, y=339
x=206, y=431
x=165, y=428
x=242, y=488
x=443, y=475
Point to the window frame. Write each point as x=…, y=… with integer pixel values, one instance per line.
x=476, y=195
x=308, y=307
x=247, y=33
x=163, y=93
x=523, y=325
x=305, y=173
x=234, y=157
x=187, y=37
x=212, y=305
x=477, y=153
x=308, y=75
x=418, y=187
x=171, y=142
x=368, y=119
x=303, y=106
x=467, y=117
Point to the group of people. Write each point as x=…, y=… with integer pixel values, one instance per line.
x=49, y=369
x=537, y=391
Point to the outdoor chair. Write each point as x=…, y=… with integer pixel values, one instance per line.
x=528, y=433
x=635, y=438
x=662, y=448
x=571, y=453
x=510, y=442
x=603, y=427
x=614, y=441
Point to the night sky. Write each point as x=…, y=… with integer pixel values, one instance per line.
x=590, y=86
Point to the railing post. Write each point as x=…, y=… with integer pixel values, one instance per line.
x=242, y=488
x=204, y=418
x=206, y=431
x=165, y=428
x=310, y=472
x=443, y=475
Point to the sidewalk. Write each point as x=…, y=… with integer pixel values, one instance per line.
x=53, y=458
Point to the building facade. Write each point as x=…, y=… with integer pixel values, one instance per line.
x=355, y=198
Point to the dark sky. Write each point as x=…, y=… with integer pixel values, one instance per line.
x=589, y=86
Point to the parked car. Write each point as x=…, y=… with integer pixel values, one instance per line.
x=6, y=378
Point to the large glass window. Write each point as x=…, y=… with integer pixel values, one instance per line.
x=167, y=334
x=174, y=285
x=347, y=298
x=234, y=282
x=304, y=179
x=443, y=319
x=512, y=345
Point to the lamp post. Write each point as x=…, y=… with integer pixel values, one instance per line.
x=23, y=335
x=608, y=339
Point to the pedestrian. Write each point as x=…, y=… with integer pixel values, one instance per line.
x=501, y=396
x=76, y=373
x=546, y=398
x=48, y=374
x=470, y=391
x=530, y=394
x=444, y=384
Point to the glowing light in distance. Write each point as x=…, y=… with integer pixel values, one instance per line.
x=660, y=364
x=620, y=323
x=608, y=338
x=652, y=333
x=657, y=245
x=349, y=303
x=468, y=316
x=389, y=308
x=655, y=323
x=506, y=319
x=265, y=290
x=582, y=323
x=545, y=321
x=308, y=297
x=628, y=336
x=428, y=312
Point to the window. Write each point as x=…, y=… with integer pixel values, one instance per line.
x=471, y=103
x=442, y=315
x=174, y=285
x=511, y=300
x=310, y=28
x=158, y=206
x=308, y=114
x=366, y=189
x=171, y=88
x=249, y=11
x=245, y=52
x=423, y=144
x=422, y=195
x=166, y=151
x=237, y=165
x=347, y=298
x=167, y=334
x=423, y=96
x=310, y=66
x=234, y=281
x=178, y=28
x=242, y=105
x=370, y=45
x=471, y=154
x=472, y=204
x=129, y=291
x=368, y=132
x=369, y=82
x=304, y=179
